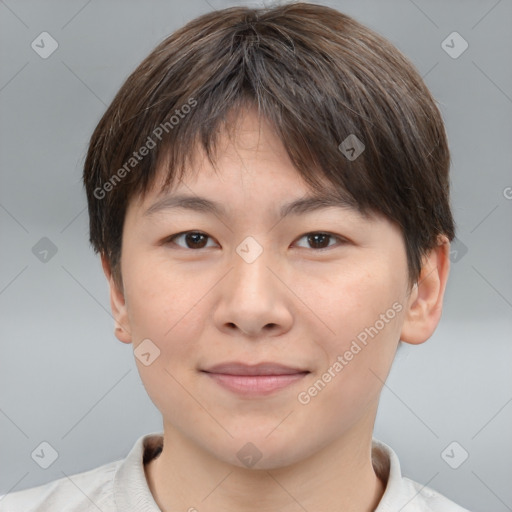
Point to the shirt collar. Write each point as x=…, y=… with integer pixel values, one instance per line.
x=131, y=490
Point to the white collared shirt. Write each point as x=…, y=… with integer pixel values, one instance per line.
x=121, y=486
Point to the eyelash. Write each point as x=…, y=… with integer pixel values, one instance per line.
x=171, y=239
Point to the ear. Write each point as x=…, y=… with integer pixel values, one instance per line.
x=118, y=305
x=426, y=299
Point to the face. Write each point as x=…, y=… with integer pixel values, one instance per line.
x=322, y=293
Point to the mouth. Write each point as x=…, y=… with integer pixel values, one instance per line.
x=259, y=379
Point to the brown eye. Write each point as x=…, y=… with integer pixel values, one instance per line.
x=193, y=239
x=320, y=240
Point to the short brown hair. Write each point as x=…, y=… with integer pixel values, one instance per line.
x=318, y=76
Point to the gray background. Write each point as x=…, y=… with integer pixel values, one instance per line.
x=64, y=377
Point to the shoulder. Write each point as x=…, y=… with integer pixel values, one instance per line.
x=84, y=492
x=402, y=493
x=118, y=485
x=429, y=500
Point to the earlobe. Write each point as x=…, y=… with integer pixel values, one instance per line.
x=122, y=329
x=425, y=304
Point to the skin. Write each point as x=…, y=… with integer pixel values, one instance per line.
x=295, y=304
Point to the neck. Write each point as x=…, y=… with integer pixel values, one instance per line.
x=338, y=477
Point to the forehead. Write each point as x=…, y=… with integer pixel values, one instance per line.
x=251, y=169
x=299, y=206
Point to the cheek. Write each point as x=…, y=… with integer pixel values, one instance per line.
x=166, y=308
x=162, y=307
x=348, y=300
x=362, y=313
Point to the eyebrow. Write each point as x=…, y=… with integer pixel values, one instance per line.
x=201, y=204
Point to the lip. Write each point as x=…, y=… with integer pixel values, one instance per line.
x=265, y=368
x=259, y=379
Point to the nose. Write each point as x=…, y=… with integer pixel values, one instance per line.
x=254, y=299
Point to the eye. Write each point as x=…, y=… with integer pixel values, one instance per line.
x=197, y=240
x=319, y=239
x=193, y=239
